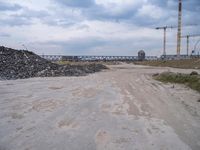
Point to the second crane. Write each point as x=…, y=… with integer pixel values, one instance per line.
x=164, y=42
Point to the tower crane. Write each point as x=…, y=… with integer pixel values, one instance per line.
x=165, y=30
x=188, y=40
x=164, y=41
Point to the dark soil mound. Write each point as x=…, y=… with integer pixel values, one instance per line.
x=20, y=64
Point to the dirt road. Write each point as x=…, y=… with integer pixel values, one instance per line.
x=119, y=109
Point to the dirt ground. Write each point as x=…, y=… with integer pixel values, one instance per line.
x=184, y=64
x=118, y=109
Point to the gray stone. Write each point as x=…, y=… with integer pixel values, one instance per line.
x=21, y=64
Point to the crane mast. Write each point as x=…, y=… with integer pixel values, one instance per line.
x=164, y=38
x=179, y=28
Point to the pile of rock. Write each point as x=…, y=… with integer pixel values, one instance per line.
x=20, y=64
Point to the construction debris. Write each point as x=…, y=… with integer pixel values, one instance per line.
x=21, y=64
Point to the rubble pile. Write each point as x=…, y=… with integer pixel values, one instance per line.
x=21, y=64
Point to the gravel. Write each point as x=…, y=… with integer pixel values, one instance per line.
x=21, y=64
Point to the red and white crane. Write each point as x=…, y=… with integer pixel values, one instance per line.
x=179, y=28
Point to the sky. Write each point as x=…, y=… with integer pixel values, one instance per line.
x=96, y=27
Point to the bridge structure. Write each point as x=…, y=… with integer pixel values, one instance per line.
x=95, y=58
x=108, y=58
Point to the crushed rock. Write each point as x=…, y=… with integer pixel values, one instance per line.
x=21, y=64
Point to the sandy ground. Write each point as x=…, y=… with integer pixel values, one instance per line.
x=119, y=109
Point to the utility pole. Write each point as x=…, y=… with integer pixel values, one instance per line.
x=188, y=40
x=179, y=28
x=164, y=41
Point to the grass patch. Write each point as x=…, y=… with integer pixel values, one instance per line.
x=190, y=80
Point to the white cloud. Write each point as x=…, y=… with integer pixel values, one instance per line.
x=120, y=7
x=110, y=27
x=33, y=4
x=152, y=11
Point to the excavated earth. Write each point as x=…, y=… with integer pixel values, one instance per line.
x=20, y=64
x=122, y=108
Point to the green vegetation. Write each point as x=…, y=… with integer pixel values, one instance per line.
x=191, y=80
x=185, y=64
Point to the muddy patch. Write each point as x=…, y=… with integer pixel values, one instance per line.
x=122, y=140
x=48, y=105
x=105, y=107
x=132, y=110
x=102, y=137
x=17, y=116
x=87, y=93
x=120, y=109
x=55, y=87
x=68, y=124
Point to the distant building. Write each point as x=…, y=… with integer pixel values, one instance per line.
x=141, y=55
x=70, y=58
x=174, y=57
x=52, y=57
x=151, y=58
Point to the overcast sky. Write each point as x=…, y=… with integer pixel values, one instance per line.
x=95, y=27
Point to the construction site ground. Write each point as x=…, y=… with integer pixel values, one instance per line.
x=183, y=63
x=118, y=109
